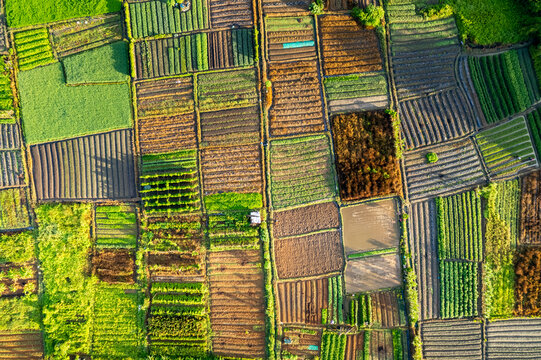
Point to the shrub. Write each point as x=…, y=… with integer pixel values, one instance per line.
x=370, y=16
x=431, y=157
x=438, y=11
x=316, y=7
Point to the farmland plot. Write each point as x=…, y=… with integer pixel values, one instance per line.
x=237, y=303
x=97, y=166
x=287, y=7
x=7, y=107
x=452, y=339
x=370, y=226
x=150, y=18
x=355, y=346
x=33, y=48
x=301, y=340
x=166, y=118
x=458, y=167
x=365, y=151
x=534, y=120
x=291, y=38
x=303, y=301
x=225, y=14
x=333, y=345
x=226, y=90
x=231, y=48
x=505, y=83
x=507, y=149
x=436, y=118
x=513, y=339
x=116, y=226
x=528, y=282
x=170, y=184
x=373, y=273
x=11, y=169
x=384, y=309
x=336, y=5
x=176, y=265
x=9, y=137
x=423, y=52
x=230, y=127
x=316, y=254
x=364, y=92
x=530, y=216
x=306, y=219
x=347, y=47
x=297, y=105
x=21, y=344
x=114, y=265
x=175, y=233
x=79, y=35
x=232, y=169
x=13, y=209
x=423, y=247
x=301, y=171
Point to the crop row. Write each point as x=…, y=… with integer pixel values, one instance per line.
x=6, y=93
x=459, y=227
x=505, y=83
x=355, y=86
x=333, y=346
x=459, y=294
x=33, y=48
x=225, y=90
x=116, y=226
x=360, y=310
x=336, y=301
x=534, y=119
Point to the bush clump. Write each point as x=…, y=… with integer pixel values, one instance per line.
x=370, y=16
x=316, y=7
x=431, y=157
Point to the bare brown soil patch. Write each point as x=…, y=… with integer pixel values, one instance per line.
x=373, y=273
x=114, y=266
x=306, y=219
x=301, y=301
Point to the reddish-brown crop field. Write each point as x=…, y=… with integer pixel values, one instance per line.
x=301, y=301
x=530, y=217
x=297, y=105
x=366, y=155
x=348, y=47
x=306, y=219
x=314, y=254
x=114, y=266
x=19, y=345
x=528, y=282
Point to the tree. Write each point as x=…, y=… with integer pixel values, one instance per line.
x=371, y=16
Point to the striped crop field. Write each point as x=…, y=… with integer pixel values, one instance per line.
x=231, y=48
x=231, y=13
x=452, y=339
x=290, y=38
x=11, y=168
x=534, y=120
x=301, y=171
x=513, y=339
x=22, y=344
x=116, y=226
x=9, y=137
x=364, y=92
x=230, y=127
x=313, y=295
x=458, y=167
x=505, y=83
x=226, y=90
x=285, y=7
x=150, y=18
x=507, y=148
x=169, y=183
x=423, y=52
x=33, y=48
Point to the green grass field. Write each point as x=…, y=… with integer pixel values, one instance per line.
x=54, y=111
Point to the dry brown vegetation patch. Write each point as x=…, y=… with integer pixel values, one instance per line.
x=528, y=282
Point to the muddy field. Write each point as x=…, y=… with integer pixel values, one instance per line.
x=458, y=167
x=373, y=273
x=306, y=219
x=230, y=127
x=236, y=169
x=90, y=167
x=530, y=205
x=371, y=226
x=224, y=14
x=423, y=246
x=237, y=303
x=436, y=118
x=27, y=345
x=348, y=48
x=114, y=266
x=313, y=255
x=297, y=105
x=457, y=339
x=281, y=32
x=301, y=301
x=300, y=340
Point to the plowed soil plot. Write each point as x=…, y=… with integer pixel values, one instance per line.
x=381, y=345
x=9, y=137
x=286, y=7
x=27, y=345
x=530, y=217
x=452, y=339
x=114, y=266
x=513, y=339
x=436, y=118
x=387, y=309
x=365, y=150
x=372, y=273
x=301, y=339
x=90, y=167
x=230, y=127
x=290, y=38
x=237, y=303
x=308, y=255
x=306, y=219
x=297, y=104
x=528, y=282
x=301, y=301
x=423, y=248
x=11, y=168
x=231, y=48
x=347, y=47
x=177, y=266
x=458, y=167
x=166, y=119
x=371, y=226
x=226, y=13
x=232, y=169
x=355, y=347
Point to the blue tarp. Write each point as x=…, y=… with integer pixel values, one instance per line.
x=298, y=44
